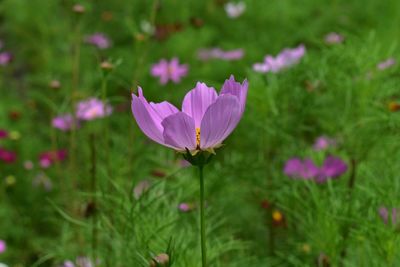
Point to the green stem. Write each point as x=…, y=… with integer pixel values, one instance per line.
x=202, y=219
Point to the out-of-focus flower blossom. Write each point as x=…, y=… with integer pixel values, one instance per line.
x=169, y=70
x=235, y=10
x=55, y=84
x=3, y=134
x=7, y=156
x=306, y=169
x=14, y=135
x=28, y=165
x=384, y=214
x=46, y=159
x=160, y=260
x=3, y=265
x=185, y=207
x=77, y=8
x=333, y=167
x=100, y=40
x=68, y=264
x=10, y=180
x=141, y=188
x=205, y=121
x=333, y=38
x=386, y=64
x=64, y=122
x=3, y=246
x=81, y=262
x=106, y=65
x=5, y=58
x=147, y=27
x=296, y=168
x=92, y=108
x=323, y=142
x=286, y=58
x=218, y=53
x=393, y=106
x=42, y=180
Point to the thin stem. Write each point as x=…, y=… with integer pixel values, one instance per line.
x=202, y=219
x=93, y=188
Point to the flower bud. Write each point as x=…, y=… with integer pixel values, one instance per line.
x=160, y=260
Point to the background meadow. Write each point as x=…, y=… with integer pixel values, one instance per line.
x=100, y=193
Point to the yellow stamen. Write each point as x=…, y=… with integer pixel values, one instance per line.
x=198, y=137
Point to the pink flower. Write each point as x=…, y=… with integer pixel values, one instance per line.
x=323, y=142
x=284, y=59
x=91, y=109
x=171, y=70
x=7, y=156
x=99, y=40
x=333, y=38
x=384, y=214
x=141, y=188
x=206, y=54
x=5, y=58
x=205, y=121
x=46, y=159
x=3, y=134
x=386, y=64
x=3, y=246
x=185, y=207
x=28, y=165
x=63, y=122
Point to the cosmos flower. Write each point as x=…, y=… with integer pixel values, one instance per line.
x=235, y=10
x=206, y=54
x=185, y=207
x=386, y=64
x=169, y=70
x=5, y=58
x=205, y=121
x=284, y=59
x=3, y=246
x=7, y=156
x=64, y=122
x=42, y=180
x=3, y=134
x=384, y=214
x=333, y=38
x=323, y=142
x=80, y=262
x=306, y=169
x=46, y=159
x=91, y=109
x=100, y=40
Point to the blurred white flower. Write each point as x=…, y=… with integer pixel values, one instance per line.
x=235, y=10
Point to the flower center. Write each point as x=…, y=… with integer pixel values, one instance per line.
x=198, y=137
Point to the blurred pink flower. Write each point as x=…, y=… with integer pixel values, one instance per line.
x=323, y=142
x=235, y=10
x=384, y=214
x=28, y=165
x=185, y=207
x=64, y=122
x=46, y=159
x=206, y=54
x=91, y=109
x=284, y=59
x=169, y=70
x=141, y=188
x=3, y=134
x=100, y=40
x=3, y=246
x=386, y=64
x=5, y=58
x=7, y=156
x=333, y=38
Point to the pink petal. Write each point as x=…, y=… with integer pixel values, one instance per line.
x=239, y=90
x=197, y=101
x=219, y=121
x=144, y=115
x=162, y=110
x=180, y=131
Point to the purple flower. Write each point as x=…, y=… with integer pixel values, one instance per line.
x=386, y=64
x=185, y=207
x=3, y=134
x=333, y=38
x=100, y=40
x=63, y=122
x=206, y=54
x=296, y=168
x=3, y=246
x=332, y=167
x=169, y=70
x=5, y=58
x=68, y=264
x=384, y=214
x=284, y=59
x=235, y=10
x=91, y=109
x=46, y=159
x=323, y=142
x=205, y=121
x=306, y=169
